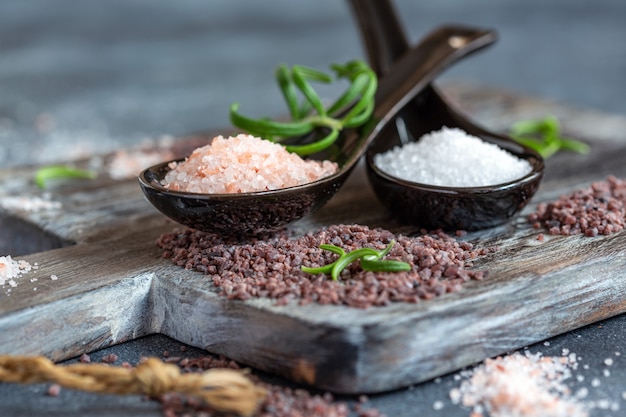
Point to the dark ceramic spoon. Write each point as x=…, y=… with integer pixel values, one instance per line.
x=422, y=205
x=255, y=213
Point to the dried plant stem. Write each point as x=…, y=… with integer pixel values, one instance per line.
x=225, y=390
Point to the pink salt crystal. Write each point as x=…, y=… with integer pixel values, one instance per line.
x=522, y=386
x=54, y=390
x=241, y=164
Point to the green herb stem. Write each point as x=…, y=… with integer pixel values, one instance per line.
x=351, y=109
x=544, y=136
x=370, y=260
x=55, y=172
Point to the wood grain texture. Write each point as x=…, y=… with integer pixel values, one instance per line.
x=114, y=286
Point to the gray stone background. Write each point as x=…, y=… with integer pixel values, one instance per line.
x=83, y=77
x=78, y=77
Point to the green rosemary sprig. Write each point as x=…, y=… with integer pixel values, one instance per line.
x=351, y=109
x=371, y=260
x=544, y=136
x=55, y=172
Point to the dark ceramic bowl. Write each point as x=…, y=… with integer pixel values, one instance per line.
x=245, y=214
x=428, y=206
x=451, y=208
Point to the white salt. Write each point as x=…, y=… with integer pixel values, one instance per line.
x=241, y=164
x=452, y=158
x=29, y=203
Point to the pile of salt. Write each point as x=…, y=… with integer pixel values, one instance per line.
x=241, y=164
x=452, y=158
x=11, y=268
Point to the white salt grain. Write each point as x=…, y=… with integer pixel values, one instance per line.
x=241, y=164
x=29, y=203
x=452, y=158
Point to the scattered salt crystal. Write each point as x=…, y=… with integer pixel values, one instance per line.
x=11, y=269
x=54, y=277
x=606, y=373
x=582, y=392
x=438, y=405
x=452, y=158
x=243, y=163
x=595, y=382
x=546, y=343
x=54, y=390
x=129, y=163
x=608, y=361
x=29, y=203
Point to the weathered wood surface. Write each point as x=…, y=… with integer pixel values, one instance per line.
x=113, y=285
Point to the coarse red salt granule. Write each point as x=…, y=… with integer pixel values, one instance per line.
x=599, y=209
x=520, y=385
x=272, y=269
x=241, y=164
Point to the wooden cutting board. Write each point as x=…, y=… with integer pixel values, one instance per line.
x=113, y=285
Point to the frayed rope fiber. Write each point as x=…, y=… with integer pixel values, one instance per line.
x=225, y=390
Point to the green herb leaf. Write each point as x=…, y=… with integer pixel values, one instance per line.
x=352, y=109
x=348, y=258
x=283, y=77
x=371, y=260
x=544, y=136
x=55, y=172
x=325, y=269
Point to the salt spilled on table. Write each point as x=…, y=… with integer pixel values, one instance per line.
x=521, y=385
x=10, y=269
x=241, y=164
x=451, y=158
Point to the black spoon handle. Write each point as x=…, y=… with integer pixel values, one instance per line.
x=417, y=68
x=381, y=32
x=385, y=41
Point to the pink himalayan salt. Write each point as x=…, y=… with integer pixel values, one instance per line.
x=521, y=385
x=242, y=164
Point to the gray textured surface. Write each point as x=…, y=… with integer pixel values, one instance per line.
x=90, y=76
x=98, y=75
